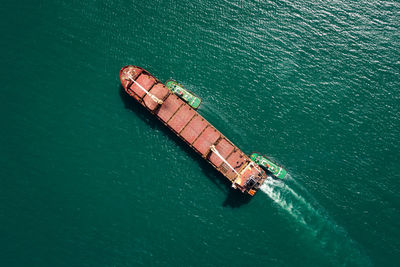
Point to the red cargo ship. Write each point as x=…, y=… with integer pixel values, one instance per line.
x=191, y=127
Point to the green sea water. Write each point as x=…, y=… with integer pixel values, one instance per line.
x=90, y=178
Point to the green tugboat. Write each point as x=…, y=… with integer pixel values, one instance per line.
x=186, y=95
x=268, y=165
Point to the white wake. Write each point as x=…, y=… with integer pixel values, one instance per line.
x=298, y=203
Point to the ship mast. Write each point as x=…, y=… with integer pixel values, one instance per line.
x=213, y=149
x=156, y=99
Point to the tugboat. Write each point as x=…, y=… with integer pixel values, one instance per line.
x=268, y=166
x=192, y=128
x=188, y=96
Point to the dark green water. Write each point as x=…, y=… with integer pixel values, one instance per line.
x=89, y=178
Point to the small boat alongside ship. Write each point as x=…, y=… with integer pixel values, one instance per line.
x=268, y=166
x=188, y=96
x=181, y=117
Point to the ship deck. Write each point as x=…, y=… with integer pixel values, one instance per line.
x=189, y=125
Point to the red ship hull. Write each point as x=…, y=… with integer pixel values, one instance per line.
x=191, y=127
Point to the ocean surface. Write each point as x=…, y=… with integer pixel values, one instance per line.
x=90, y=178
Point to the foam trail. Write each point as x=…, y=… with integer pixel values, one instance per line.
x=286, y=197
x=332, y=238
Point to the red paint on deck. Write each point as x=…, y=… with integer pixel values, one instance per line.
x=146, y=81
x=238, y=161
x=181, y=118
x=224, y=148
x=194, y=129
x=160, y=91
x=129, y=73
x=206, y=139
x=170, y=106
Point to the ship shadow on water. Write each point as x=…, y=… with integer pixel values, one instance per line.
x=234, y=199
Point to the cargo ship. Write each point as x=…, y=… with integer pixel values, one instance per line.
x=192, y=128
